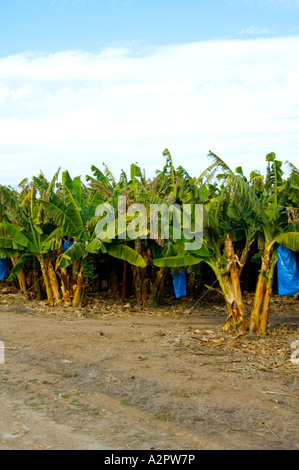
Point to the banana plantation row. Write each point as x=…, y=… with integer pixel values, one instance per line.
x=48, y=234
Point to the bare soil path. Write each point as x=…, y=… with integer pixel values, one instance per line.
x=113, y=377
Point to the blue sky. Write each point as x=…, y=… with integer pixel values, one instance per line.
x=55, y=25
x=87, y=81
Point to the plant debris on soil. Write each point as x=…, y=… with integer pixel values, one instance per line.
x=115, y=375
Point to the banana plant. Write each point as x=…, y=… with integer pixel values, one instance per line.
x=222, y=229
x=24, y=231
x=75, y=218
x=270, y=223
x=37, y=218
x=26, y=242
x=10, y=249
x=220, y=235
x=171, y=188
x=129, y=249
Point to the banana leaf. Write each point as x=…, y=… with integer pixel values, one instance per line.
x=289, y=239
x=94, y=246
x=73, y=209
x=126, y=253
x=75, y=252
x=177, y=261
x=18, y=266
x=63, y=220
x=51, y=245
x=17, y=236
x=10, y=249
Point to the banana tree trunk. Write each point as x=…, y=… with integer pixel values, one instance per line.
x=44, y=268
x=21, y=277
x=157, y=288
x=225, y=285
x=53, y=282
x=75, y=271
x=266, y=305
x=141, y=285
x=124, y=286
x=190, y=283
x=114, y=287
x=36, y=280
x=226, y=290
x=244, y=257
x=140, y=277
x=260, y=291
x=65, y=286
x=238, y=305
x=77, y=300
x=65, y=282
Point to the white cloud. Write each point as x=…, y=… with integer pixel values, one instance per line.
x=254, y=30
x=74, y=109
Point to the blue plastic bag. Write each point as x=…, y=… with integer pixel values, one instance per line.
x=3, y=269
x=180, y=282
x=287, y=272
x=65, y=246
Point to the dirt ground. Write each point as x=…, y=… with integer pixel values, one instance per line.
x=117, y=377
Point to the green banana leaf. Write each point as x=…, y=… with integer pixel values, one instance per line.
x=10, y=249
x=18, y=266
x=63, y=220
x=14, y=232
x=76, y=251
x=73, y=209
x=57, y=233
x=9, y=244
x=67, y=180
x=126, y=253
x=51, y=245
x=177, y=261
x=92, y=203
x=94, y=246
x=289, y=239
x=77, y=185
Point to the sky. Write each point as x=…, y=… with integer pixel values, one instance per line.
x=84, y=82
